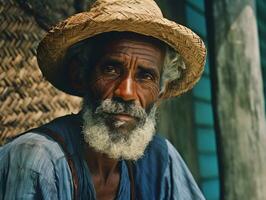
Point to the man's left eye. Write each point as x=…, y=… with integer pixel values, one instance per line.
x=146, y=76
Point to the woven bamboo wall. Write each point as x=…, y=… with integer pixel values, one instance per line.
x=26, y=99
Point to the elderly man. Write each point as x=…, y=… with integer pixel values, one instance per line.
x=123, y=58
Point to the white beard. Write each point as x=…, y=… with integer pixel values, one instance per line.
x=98, y=136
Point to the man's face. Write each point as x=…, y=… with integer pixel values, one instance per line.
x=127, y=70
x=119, y=110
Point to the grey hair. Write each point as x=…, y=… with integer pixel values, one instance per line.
x=83, y=51
x=172, y=67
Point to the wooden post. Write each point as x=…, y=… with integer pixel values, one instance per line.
x=238, y=99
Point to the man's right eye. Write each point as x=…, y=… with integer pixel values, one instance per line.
x=109, y=69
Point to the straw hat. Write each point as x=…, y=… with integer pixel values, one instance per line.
x=139, y=16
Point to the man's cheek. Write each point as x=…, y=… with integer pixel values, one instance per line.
x=102, y=89
x=148, y=96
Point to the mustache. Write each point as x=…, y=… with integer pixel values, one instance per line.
x=111, y=106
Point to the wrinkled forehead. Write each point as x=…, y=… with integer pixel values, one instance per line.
x=129, y=44
x=92, y=49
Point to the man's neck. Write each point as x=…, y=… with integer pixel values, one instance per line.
x=105, y=174
x=100, y=164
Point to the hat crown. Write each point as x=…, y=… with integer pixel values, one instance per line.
x=145, y=7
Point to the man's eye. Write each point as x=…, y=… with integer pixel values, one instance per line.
x=109, y=69
x=146, y=76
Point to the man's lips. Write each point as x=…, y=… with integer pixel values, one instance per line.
x=123, y=117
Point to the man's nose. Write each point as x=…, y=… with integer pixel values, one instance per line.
x=126, y=89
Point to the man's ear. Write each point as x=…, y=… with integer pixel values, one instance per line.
x=76, y=81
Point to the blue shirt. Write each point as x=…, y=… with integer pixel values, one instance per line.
x=33, y=166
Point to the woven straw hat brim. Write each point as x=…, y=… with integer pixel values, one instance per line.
x=53, y=47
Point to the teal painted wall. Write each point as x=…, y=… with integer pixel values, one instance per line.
x=204, y=123
x=261, y=19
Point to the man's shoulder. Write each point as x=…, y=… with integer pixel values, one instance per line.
x=31, y=141
x=164, y=171
x=34, y=148
x=32, y=163
x=152, y=169
x=31, y=150
x=37, y=146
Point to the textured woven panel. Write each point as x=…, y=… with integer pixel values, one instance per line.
x=50, y=12
x=26, y=99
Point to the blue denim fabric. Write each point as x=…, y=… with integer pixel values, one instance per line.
x=33, y=166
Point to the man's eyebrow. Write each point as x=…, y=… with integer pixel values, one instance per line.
x=116, y=61
x=112, y=60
